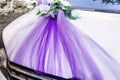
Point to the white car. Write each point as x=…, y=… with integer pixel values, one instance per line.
x=98, y=20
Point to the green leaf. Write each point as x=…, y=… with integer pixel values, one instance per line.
x=65, y=8
x=57, y=2
x=40, y=13
x=52, y=8
x=34, y=4
x=53, y=15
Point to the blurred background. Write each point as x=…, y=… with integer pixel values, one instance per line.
x=10, y=10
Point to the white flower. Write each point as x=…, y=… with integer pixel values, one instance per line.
x=66, y=3
x=44, y=8
x=34, y=1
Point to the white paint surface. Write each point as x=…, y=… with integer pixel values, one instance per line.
x=2, y=77
x=103, y=28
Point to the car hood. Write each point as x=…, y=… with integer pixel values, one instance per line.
x=102, y=27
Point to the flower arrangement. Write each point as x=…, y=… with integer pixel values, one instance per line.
x=52, y=9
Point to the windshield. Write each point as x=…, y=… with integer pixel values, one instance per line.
x=98, y=5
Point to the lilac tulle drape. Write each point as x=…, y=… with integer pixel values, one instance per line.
x=45, y=1
x=55, y=46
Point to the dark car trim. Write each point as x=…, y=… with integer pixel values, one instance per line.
x=20, y=72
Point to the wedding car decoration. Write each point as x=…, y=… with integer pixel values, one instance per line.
x=52, y=9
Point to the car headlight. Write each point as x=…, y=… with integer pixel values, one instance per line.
x=3, y=65
x=2, y=57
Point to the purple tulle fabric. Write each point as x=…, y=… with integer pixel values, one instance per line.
x=55, y=46
x=45, y=1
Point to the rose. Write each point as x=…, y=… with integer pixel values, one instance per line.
x=65, y=3
x=44, y=8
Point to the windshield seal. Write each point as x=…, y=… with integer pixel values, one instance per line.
x=97, y=10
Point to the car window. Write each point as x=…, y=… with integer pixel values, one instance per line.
x=94, y=5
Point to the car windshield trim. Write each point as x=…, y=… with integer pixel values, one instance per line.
x=98, y=10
